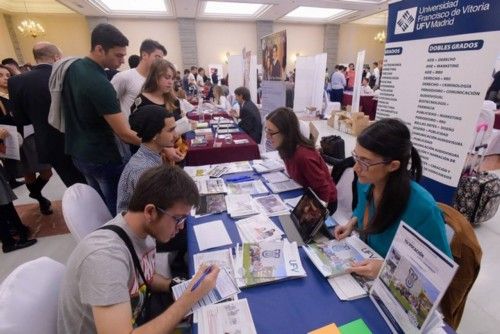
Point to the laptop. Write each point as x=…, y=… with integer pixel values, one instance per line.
x=306, y=219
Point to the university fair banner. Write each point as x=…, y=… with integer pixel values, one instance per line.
x=437, y=67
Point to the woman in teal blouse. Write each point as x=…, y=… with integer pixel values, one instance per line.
x=388, y=194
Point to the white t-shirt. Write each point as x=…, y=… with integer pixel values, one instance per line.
x=199, y=80
x=191, y=78
x=128, y=85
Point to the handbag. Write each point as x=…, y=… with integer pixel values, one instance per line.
x=146, y=312
x=333, y=146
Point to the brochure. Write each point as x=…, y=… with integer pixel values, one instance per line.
x=272, y=205
x=238, y=167
x=411, y=282
x=197, y=171
x=199, y=141
x=334, y=257
x=267, y=261
x=267, y=166
x=350, y=286
x=211, y=204
x=229, y=317
x=275, y=177
x=225, y=288
x=203, y=132
x=211, y=234
x=228, y=130
x=254, y=187
x=279, y=187
x=217, y=170
x=258, y=228
x=211, y=186
x=241, y=205
x=222, y=258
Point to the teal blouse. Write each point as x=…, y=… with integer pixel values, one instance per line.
x=421, y=213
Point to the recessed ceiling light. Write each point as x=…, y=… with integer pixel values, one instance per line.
x=304, y=12
x=134, y=5
x=235, y=8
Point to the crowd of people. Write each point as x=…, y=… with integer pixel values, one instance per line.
x=119, y=136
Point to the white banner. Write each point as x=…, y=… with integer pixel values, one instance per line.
x=357, y=81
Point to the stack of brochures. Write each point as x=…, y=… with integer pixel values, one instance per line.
x=241, y=205
x=211, y=186
x=203, y=132
x=227, y=317
x=272, y=205
x=279, y=182
x=266, y=262
x=258, y=228
x=225, y=288
x=254, y=187
x=218, y=170
x=199, y=141
x=210, y=204
x=267, y=166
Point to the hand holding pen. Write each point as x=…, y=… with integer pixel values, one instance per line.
x=204, y=280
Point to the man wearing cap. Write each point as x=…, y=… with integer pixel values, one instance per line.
x=156, y=128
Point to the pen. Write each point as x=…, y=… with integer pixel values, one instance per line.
x=198, y=282
x=240, y=179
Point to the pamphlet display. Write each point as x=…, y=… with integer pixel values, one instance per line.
x=411, y=282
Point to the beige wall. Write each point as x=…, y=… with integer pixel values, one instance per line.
x=357, y=37
x=6, y=48
x=306, y=39
x=214, y=39
x=164, y=31
x=68, y=32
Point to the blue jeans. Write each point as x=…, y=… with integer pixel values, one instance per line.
x=103, y=178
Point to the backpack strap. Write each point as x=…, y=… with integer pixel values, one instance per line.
x=123, y=235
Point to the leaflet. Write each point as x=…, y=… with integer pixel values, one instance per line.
x=222, y=258
x=334, y=257
x=197, y=171
x=275, y=177
x=280, y=187
x=254, y=187
x=211, y=186
x=258, y=228
x=413, y=279
x=267, y=261
x=272, y=205
x=350, y=286
x=267, y=166
x=212, y=234
x=228, y=317
x=210, y=204
x=241, y=205
x=225, y=287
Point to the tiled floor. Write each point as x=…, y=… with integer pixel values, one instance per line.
x=482, y=312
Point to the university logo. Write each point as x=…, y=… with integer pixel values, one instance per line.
x=405, y=21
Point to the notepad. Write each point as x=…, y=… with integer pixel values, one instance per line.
x=355, y=327
x=328, y=329
x=211, y=235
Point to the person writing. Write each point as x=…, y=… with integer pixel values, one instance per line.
x=388, y=193
x=303, y=163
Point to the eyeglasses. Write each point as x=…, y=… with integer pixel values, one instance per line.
x=178, y=219
x=366, y=165
x=270, y=133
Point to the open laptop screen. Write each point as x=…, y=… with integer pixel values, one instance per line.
x=309, y=215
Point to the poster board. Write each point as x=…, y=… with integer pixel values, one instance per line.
x=428, y=81
x=356, y=92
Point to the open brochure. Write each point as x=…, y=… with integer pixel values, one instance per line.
x=225, y=288
x=241, y=205
x=258, y=228
x=411, y=283
x=254, y=187
x=267, y=261
x=236, y=167
x=210, y=204
x=227, y=317
x=334, y=257
x=267, y=166
x=272, y=205
x=211, y=186
x=279, y=182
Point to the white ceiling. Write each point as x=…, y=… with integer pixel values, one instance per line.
x=361, y=9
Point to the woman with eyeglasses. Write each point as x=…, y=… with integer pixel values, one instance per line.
x=388, y=193
x=303, y=163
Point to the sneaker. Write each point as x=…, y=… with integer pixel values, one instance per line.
x=18, y=245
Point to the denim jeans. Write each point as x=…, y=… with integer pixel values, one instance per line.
x=103, y=178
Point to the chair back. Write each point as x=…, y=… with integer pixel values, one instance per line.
x=84, y=210
x=29, y=298
x=467, y=254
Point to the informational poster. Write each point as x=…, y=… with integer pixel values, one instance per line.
x=309, y=82
x=273, y=96
x=356, y=92
x=273, y=48
x=437, y=67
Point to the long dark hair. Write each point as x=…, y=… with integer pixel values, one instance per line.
x=390, y=138
x=288, y=125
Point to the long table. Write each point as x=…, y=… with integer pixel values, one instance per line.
x=297, y=305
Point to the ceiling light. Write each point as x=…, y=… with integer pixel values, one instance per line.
x=29, y=27
x=303, y=12
x=234, y=8
x=134, y=5
x=380, y=37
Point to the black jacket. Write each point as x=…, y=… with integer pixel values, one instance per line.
x=250, y=120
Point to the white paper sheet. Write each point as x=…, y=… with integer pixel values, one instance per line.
x=212, y=234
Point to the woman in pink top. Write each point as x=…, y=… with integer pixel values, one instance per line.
x=303, y=163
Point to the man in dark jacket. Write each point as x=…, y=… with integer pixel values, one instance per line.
x=249, y=114
x=30, y=96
